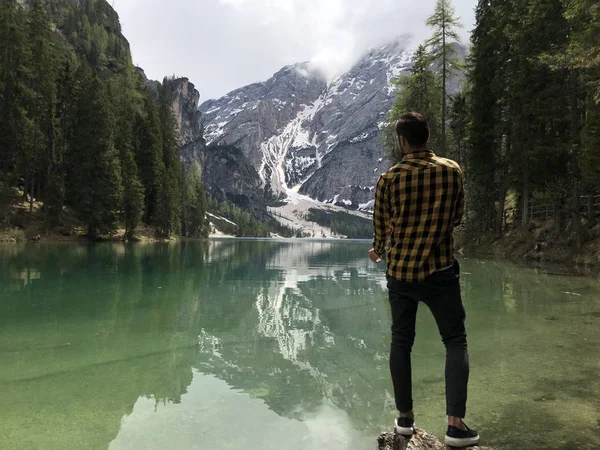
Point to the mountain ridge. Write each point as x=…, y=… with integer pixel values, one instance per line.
x=322, y=139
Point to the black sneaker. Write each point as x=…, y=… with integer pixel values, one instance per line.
x=405, y=426
x=455, y=437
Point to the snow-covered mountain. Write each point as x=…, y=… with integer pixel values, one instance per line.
x=306, y=136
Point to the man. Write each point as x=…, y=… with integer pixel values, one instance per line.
x=417, y=205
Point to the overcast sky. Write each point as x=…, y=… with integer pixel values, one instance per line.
x=221, y=45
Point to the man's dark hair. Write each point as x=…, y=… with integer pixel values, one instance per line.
x=414, y=128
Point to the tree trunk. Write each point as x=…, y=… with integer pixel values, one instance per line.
x=500, y=217
x=444, y=76
x=525, y=193
x=32, y=192
x=26, y=185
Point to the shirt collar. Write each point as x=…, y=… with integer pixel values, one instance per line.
x=425, y=154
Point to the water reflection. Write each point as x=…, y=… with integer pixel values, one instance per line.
x=139, y=346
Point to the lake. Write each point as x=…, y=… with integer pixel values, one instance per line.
x=232, y=344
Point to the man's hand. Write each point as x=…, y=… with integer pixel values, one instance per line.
x=374, y=256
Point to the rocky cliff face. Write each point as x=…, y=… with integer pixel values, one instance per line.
x=266, y=119
x=226, y=170
x=303, y=134
x=185, y=108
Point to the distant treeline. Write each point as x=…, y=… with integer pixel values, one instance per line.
x=341, y=223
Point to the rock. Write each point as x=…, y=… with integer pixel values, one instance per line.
x=421, y=440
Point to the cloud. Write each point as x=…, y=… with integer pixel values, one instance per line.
x=224, y=44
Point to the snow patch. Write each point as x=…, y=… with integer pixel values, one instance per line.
x=275, y=150
x=367, y=206
x=279, y=104
x=360, y=138
x=212, y=110
x=213, y=132
x=221, y=218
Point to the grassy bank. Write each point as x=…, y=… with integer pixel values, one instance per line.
x=576, y=245
x=23, y=223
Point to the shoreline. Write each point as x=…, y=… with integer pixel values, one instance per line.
x=82, y=239
x=539, y=247
x=553, y=259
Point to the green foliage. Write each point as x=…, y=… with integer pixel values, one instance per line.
x=590, y=155
x=582, y=51
x=133, y=193
x=78, y=126
x=484, y=143
x=148, y=151
x=244, y=224
x=37, y=155
x=194, y=222
x=168, y=215
x=15, y=94
x=425, y=90
x=420, y=92
x=94, y=187
x=533, y=121
x=344, y=224
x=94, y=31
x=442, y=48
x=458, y=121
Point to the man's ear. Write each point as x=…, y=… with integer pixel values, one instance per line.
x=402, y=142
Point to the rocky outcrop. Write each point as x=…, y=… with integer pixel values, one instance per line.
x=153, y=85
x=185, y=108
x=421, y=440
x=322, y=138
x=226, y=171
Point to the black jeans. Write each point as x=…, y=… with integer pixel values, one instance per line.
x=441, y=293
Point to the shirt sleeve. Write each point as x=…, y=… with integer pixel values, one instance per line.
x=460, y=202
x=381, y=215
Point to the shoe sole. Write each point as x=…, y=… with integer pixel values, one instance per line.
x=408, y=432
x=465, y=442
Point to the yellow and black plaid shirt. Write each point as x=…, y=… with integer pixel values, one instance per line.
x=417, y=205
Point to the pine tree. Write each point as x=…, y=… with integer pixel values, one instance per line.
x=194, y=204
x=484, y=144
x=94, y=173
x=148, y=152
x=14, y=92
x=459, y=125
x=127, y=103
x=442, y=48
x=42, y=83
x=582, y=52
x=54, y=196
x=539, y=140
x=590, y=156
x=133, y=194
x=168, y=217
x=419, y=92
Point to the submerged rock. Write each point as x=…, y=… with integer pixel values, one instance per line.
x=421, y=440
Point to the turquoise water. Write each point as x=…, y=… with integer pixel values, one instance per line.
x=267, y=344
